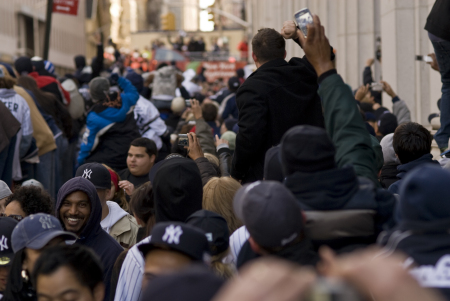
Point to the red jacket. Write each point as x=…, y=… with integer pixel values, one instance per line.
x=52, y=85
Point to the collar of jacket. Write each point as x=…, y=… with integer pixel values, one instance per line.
x=301, y=253
x=271, y=64
x=324, y=190
x=404, y=168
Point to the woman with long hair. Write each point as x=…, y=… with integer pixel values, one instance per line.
x=118, y=194
x=142, y=206
x=218, y=196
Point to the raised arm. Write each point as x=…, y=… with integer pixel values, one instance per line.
x=343, y=121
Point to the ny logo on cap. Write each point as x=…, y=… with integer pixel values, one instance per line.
x=172, y=235
x=87, y=173
x=46, y=222
x=3, y=243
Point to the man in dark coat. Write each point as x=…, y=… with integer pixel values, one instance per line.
x=79, y=210
x=276, y=97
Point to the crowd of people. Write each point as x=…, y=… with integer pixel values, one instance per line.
x=285, y=185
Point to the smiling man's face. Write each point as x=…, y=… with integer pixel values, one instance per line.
x=75, y=211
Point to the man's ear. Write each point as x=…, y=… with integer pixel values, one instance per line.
x=99, y=292
x=255, y=247
x=284, y=54
x=254, y=57
x=153, y=158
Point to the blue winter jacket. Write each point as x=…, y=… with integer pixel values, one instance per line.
x=98, y=123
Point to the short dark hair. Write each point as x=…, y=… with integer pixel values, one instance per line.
x=411, y=141
x=32, y=200
x=268, y=44
x=82, y=261
x=209, y=111
x=150, y=145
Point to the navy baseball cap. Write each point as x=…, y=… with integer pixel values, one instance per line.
x=179, y=237
x=270, y=212
x=7, y=226
x=96, y=173
x=37, y=230
x=215, y=227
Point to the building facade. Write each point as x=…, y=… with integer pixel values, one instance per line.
x=22, y=28
x=353, y=27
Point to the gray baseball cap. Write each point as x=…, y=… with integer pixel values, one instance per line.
x=4, y=190
x=37, y=230
x=270, y=212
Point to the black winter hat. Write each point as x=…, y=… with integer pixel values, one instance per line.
x=272, y=165
x=23, y=65
x=195, y=283
x=230, y=123
x=306, y=148
x=387, y=123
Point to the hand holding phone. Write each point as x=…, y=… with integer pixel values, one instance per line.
x=303, y=17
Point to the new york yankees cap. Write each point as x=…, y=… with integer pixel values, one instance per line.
x=37, y=230
x=179, y=237
x=270, y=212
x=7, y=226
x=96, y=173
x=215, y=227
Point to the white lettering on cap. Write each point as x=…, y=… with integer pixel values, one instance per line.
x=87, y=173
x=4, y=243
x=172, y=234
x=46, y=222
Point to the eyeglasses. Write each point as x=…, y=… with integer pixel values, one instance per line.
x=13, y=216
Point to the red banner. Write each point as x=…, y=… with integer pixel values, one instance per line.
x=69, y=7
x=225, y=70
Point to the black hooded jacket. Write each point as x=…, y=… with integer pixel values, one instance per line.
x=92, y=236
x=178, y=190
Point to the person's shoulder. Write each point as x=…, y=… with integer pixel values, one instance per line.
x=124, y=173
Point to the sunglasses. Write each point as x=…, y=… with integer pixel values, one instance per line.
x=13, y=216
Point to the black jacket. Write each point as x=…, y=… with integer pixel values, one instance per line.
x=438, y=21
x=93, y=236
x=225, y=160
x=276, y=97
x=388, y=175
x=207, y=169
x=342, y=210
x=113, y=145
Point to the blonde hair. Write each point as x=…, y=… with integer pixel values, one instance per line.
x=224, y=270
x=119, y=195
x=218, y=196
x=212, y=159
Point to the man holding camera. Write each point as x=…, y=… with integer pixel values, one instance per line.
x=276, y=97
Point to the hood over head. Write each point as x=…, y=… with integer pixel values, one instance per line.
x=178, y=190
x=80, y=61
x=84, y=185
x=424, y=199
x=306, y=148
x=388, y=149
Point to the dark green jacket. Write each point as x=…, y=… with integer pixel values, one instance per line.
x=346, y=128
